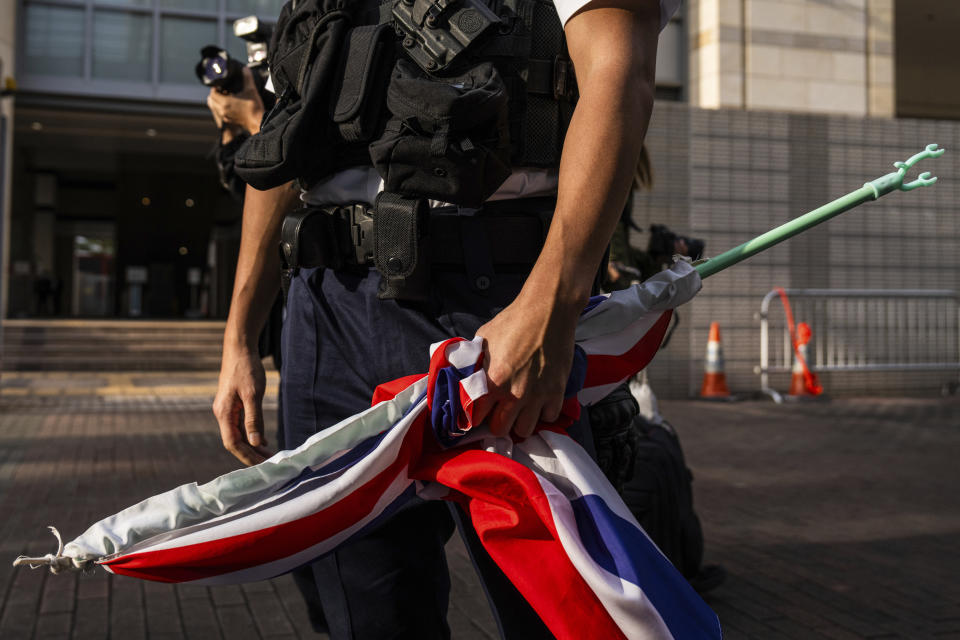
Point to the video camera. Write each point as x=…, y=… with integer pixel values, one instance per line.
x=217, y=69
x=664, y=243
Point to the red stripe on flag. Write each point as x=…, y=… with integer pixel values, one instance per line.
x=465, y=415
x=235, y=553
x=512, y=516
x=606, y=369
x=389, y=390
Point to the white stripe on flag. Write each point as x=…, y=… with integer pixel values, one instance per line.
x=190, y=504
x=273, y=510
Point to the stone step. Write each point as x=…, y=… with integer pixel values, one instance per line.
x=37, y=338
x=89, y=364
x=174, y=344
x=111, y=345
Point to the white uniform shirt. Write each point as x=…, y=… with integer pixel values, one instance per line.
x=362, y=184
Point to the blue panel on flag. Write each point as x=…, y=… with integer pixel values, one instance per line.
x=622, y=549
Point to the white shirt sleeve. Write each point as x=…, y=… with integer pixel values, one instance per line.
x=567, y=8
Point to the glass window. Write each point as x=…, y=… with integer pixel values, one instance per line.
x=121, y=45
x=268, y=9
x=195, y=5
x=54, y=42
x=180, y=42
x=670, y=55
x=126, y=3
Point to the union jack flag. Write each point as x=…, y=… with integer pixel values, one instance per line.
x=541, y=507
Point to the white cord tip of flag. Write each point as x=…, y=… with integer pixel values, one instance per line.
x=57, y=562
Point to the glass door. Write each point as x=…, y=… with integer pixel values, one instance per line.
x=93, y=279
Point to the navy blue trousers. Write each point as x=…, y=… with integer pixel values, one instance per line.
x=339, y=342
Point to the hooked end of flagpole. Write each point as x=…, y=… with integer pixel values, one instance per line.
x=893, y=181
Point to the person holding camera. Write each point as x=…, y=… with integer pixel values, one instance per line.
x=237, y=116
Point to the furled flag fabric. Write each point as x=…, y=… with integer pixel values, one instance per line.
x=541, y=507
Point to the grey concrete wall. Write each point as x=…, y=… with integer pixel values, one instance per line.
x=727, y=176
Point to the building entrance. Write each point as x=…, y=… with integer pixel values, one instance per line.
x=121, y=221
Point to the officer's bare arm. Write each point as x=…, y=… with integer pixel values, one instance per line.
x=242, y=381
x=530, y=343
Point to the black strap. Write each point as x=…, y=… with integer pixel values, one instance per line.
x=551, y=78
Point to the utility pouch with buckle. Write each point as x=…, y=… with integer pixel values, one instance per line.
x=449, y=137
x=400, y=247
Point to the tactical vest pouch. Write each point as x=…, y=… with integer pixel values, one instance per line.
x=304, y=60
x=448, y=138
x=368, y=55
x=400, y=251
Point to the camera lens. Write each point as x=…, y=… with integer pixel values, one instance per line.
x=217, y=69
x=214, y=69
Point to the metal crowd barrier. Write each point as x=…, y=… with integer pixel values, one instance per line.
x=862, y=330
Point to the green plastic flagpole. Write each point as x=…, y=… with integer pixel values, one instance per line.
x=869, y=191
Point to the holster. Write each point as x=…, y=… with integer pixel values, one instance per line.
x=335, y=237
x=392, y=237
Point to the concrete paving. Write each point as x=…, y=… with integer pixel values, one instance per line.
x=835, y=520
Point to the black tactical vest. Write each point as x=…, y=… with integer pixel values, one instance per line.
x=444, y=97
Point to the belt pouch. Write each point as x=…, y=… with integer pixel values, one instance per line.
x=368, y=54
x=400, y=247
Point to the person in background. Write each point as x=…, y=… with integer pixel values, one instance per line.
x=637, y=449
x=238, y=117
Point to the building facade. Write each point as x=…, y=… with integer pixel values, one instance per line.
x=793, y=103
x=116, y=210
x=765, y=109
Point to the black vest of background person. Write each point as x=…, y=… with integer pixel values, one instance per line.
x=444, y=98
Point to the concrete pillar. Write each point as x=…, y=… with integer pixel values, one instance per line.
x=805, y=56
x=716, y=53
x=881, y=96
x=7, y=66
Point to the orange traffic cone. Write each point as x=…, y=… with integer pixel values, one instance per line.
x=714, y=380
x=803, y=382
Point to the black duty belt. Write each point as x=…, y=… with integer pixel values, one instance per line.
x=509, y=233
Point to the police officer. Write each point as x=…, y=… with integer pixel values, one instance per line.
x=341, y=339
